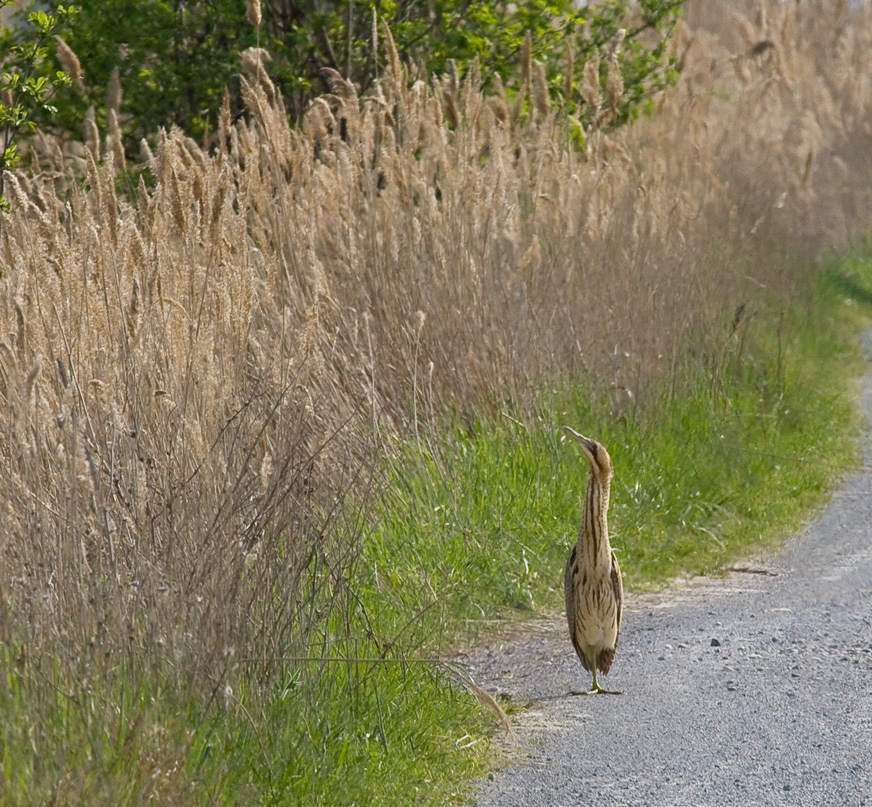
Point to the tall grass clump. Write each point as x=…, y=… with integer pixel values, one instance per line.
x=208, y=373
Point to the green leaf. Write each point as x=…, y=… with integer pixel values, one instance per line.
x=10, y=158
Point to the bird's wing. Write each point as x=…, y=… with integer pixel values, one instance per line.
x=567, y=586
x=618, y=589
x=569, y=593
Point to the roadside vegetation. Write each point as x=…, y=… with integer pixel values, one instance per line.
x=280, y=413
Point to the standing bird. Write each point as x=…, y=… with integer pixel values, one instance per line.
x=592, y=586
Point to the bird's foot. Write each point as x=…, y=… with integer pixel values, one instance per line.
x=598, y=691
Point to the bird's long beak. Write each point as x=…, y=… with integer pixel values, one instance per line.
x=580, y=437
x=585, y=442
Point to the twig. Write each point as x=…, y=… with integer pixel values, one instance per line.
x=749, y=570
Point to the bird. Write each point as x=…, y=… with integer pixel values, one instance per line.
x=592, y=585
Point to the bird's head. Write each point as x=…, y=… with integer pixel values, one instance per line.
x=597, y=457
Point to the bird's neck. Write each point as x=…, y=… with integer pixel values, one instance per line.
x=593, y=535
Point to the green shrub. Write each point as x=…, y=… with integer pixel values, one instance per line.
x=27, y=84
x=176, y=58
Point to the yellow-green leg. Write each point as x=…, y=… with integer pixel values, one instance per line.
x=596, y=689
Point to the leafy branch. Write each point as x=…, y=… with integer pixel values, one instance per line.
x=24, y=91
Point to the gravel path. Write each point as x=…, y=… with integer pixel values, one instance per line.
x=751, y=690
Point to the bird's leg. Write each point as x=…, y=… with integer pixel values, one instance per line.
x=596, y=689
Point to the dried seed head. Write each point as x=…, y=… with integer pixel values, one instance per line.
x=147, y=156
x=92, y=133
x=590, y=84
x=393, y=58
x=114, y=141
x=176, y=204
x=614, y=82
x=540, y=89
x=114, y=95
x=375, y=39
x=453, y=76
x=340, y=86
x=449, y=101
x=615, y=43
x=318, y=121
x=253, y=59
x=253, y=12
x=252, y=63
x=501, y=102
x=70, y=63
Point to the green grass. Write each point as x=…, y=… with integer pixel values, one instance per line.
x=377, y=733
x=353, y=733
x=475, y=524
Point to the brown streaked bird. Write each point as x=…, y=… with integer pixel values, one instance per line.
x=592, y=586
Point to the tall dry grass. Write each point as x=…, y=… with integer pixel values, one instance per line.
x=197, y=374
